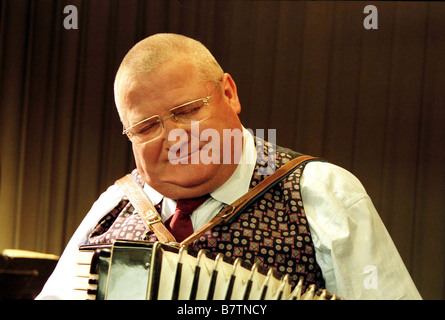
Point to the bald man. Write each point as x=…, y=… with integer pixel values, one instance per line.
x=318, y=225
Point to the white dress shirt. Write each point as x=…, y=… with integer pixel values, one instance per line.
x=357, y=256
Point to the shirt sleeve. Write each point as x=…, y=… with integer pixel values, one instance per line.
x=60, y=283
x=353, y=248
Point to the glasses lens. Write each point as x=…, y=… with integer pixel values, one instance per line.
x=147, y=130
x=195, y=111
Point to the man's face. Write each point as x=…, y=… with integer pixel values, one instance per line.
x=175, y=83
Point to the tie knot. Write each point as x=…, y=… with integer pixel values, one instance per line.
x=180, y=223
x=187, y=206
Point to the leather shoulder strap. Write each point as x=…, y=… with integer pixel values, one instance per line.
x=232, y=210
x=145, y=208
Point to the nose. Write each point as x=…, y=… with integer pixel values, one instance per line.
x=169, y=123
x=172, y=133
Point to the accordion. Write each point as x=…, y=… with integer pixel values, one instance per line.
x=134, y=270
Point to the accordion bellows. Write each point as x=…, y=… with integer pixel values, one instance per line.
x=133, y=270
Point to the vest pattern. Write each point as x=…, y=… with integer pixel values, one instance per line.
x=273, y=231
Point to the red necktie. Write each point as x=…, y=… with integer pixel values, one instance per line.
x=180, y=223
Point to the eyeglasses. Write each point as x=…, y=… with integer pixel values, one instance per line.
x=151, y=128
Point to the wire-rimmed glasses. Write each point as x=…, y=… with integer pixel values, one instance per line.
x=183, y=115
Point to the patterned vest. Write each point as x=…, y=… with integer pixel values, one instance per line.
x=273, y=231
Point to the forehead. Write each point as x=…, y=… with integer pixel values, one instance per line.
x=161, y=83
x=140, y=96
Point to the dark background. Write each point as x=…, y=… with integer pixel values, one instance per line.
x=371, y=101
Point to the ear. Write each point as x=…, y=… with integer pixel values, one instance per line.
x=229, y=93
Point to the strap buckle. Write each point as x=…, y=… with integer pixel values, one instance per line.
x=227, y=213
x=151, y=217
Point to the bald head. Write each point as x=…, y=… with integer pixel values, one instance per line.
x=152, y=52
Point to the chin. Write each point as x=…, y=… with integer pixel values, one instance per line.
x=188, y=180
x=190, y=175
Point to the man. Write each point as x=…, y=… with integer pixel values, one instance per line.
x=318, y=224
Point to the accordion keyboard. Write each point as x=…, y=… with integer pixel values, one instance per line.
x=85, y=283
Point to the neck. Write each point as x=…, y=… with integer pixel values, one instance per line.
x=186, y=190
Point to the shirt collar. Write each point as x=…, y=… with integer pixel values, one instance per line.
x=239, y=183
x=236, y=186
x=154, y=196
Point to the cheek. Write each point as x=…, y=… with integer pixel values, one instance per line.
x=145, y=157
